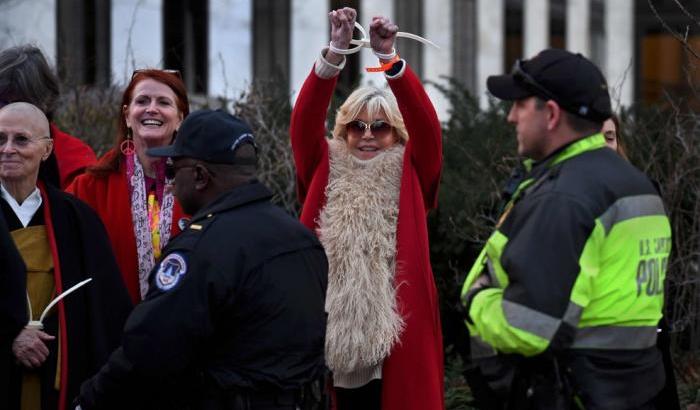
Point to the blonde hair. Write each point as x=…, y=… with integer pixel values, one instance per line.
x=374, y=100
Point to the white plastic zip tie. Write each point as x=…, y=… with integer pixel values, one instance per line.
x=386, y=56
x=363, y=42
x=39, y=324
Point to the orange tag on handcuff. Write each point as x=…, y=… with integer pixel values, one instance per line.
x=384, y=66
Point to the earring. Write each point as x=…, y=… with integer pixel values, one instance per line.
x=127, y=146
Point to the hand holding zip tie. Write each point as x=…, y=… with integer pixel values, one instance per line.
x=383, y=34
x=342, y=22
x=363, y=42
x=29, y=347
x=39, y=324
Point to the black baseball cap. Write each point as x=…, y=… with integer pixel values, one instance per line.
x=571, y=80
x=210, y=135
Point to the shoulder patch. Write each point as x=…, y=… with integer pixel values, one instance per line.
x=171, y=268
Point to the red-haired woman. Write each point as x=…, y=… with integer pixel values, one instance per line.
x=126, y=187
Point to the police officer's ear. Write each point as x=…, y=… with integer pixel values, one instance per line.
x=202, y=177
x=554, y=114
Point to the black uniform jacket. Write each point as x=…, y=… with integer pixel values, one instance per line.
x=236, y=302
x=94, y=315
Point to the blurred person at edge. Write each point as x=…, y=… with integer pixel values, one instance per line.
x=613, y=135
x=12, y=298
x=366, y=192
x=26, y=76
x=61, y=242
x=127, y=187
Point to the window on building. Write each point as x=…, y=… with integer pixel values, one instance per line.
x=514, y=33
x=83, y=41
x=409, y=16
x=557, y=24
x=185, y=38
x=349, y=77
x=664, y=66
x=271, y=40
x=597, y=24
x=464, y=42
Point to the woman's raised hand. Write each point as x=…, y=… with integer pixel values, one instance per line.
x=382, y=35
x=342, y=25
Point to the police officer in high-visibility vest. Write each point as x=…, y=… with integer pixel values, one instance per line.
x=568, y=290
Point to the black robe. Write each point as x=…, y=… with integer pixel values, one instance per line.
x=12, y=286
x=94, y=315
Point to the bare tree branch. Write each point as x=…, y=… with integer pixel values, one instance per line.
x=678, y=36
x=686, y=12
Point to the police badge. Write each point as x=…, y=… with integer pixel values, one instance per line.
x=170, y=270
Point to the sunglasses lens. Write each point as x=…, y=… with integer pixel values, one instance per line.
x=356, y=127
x=176, y=73
x=169, y=170
x=380, y=128
x=518, y=73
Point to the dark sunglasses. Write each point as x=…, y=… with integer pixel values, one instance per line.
x=176, y=73
x=526, y=79
x=171, y=169
x=378, y=128
x=522, y=77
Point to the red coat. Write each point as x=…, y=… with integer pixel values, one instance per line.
x=109, y=197
x=73, y=156
x=413, y=373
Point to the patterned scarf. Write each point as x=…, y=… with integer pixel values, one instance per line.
x=151, y=222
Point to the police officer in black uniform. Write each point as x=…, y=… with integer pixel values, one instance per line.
x=234, y=318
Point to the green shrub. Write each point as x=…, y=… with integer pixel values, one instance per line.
x=267, y=109
x=90, y=113
x=664, y=142
x=478, y=154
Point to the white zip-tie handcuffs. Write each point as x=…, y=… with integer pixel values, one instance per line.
x=364, y=41
x=39, y=324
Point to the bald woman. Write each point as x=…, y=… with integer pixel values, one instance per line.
x=62, y=242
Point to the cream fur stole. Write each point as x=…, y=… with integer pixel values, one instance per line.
x=357, y=228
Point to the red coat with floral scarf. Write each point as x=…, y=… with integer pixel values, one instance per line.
x=109, y=196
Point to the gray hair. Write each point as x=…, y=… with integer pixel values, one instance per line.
x=26, y=76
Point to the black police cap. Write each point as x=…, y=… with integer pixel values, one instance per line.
x=571, y=80
x=209, y=135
